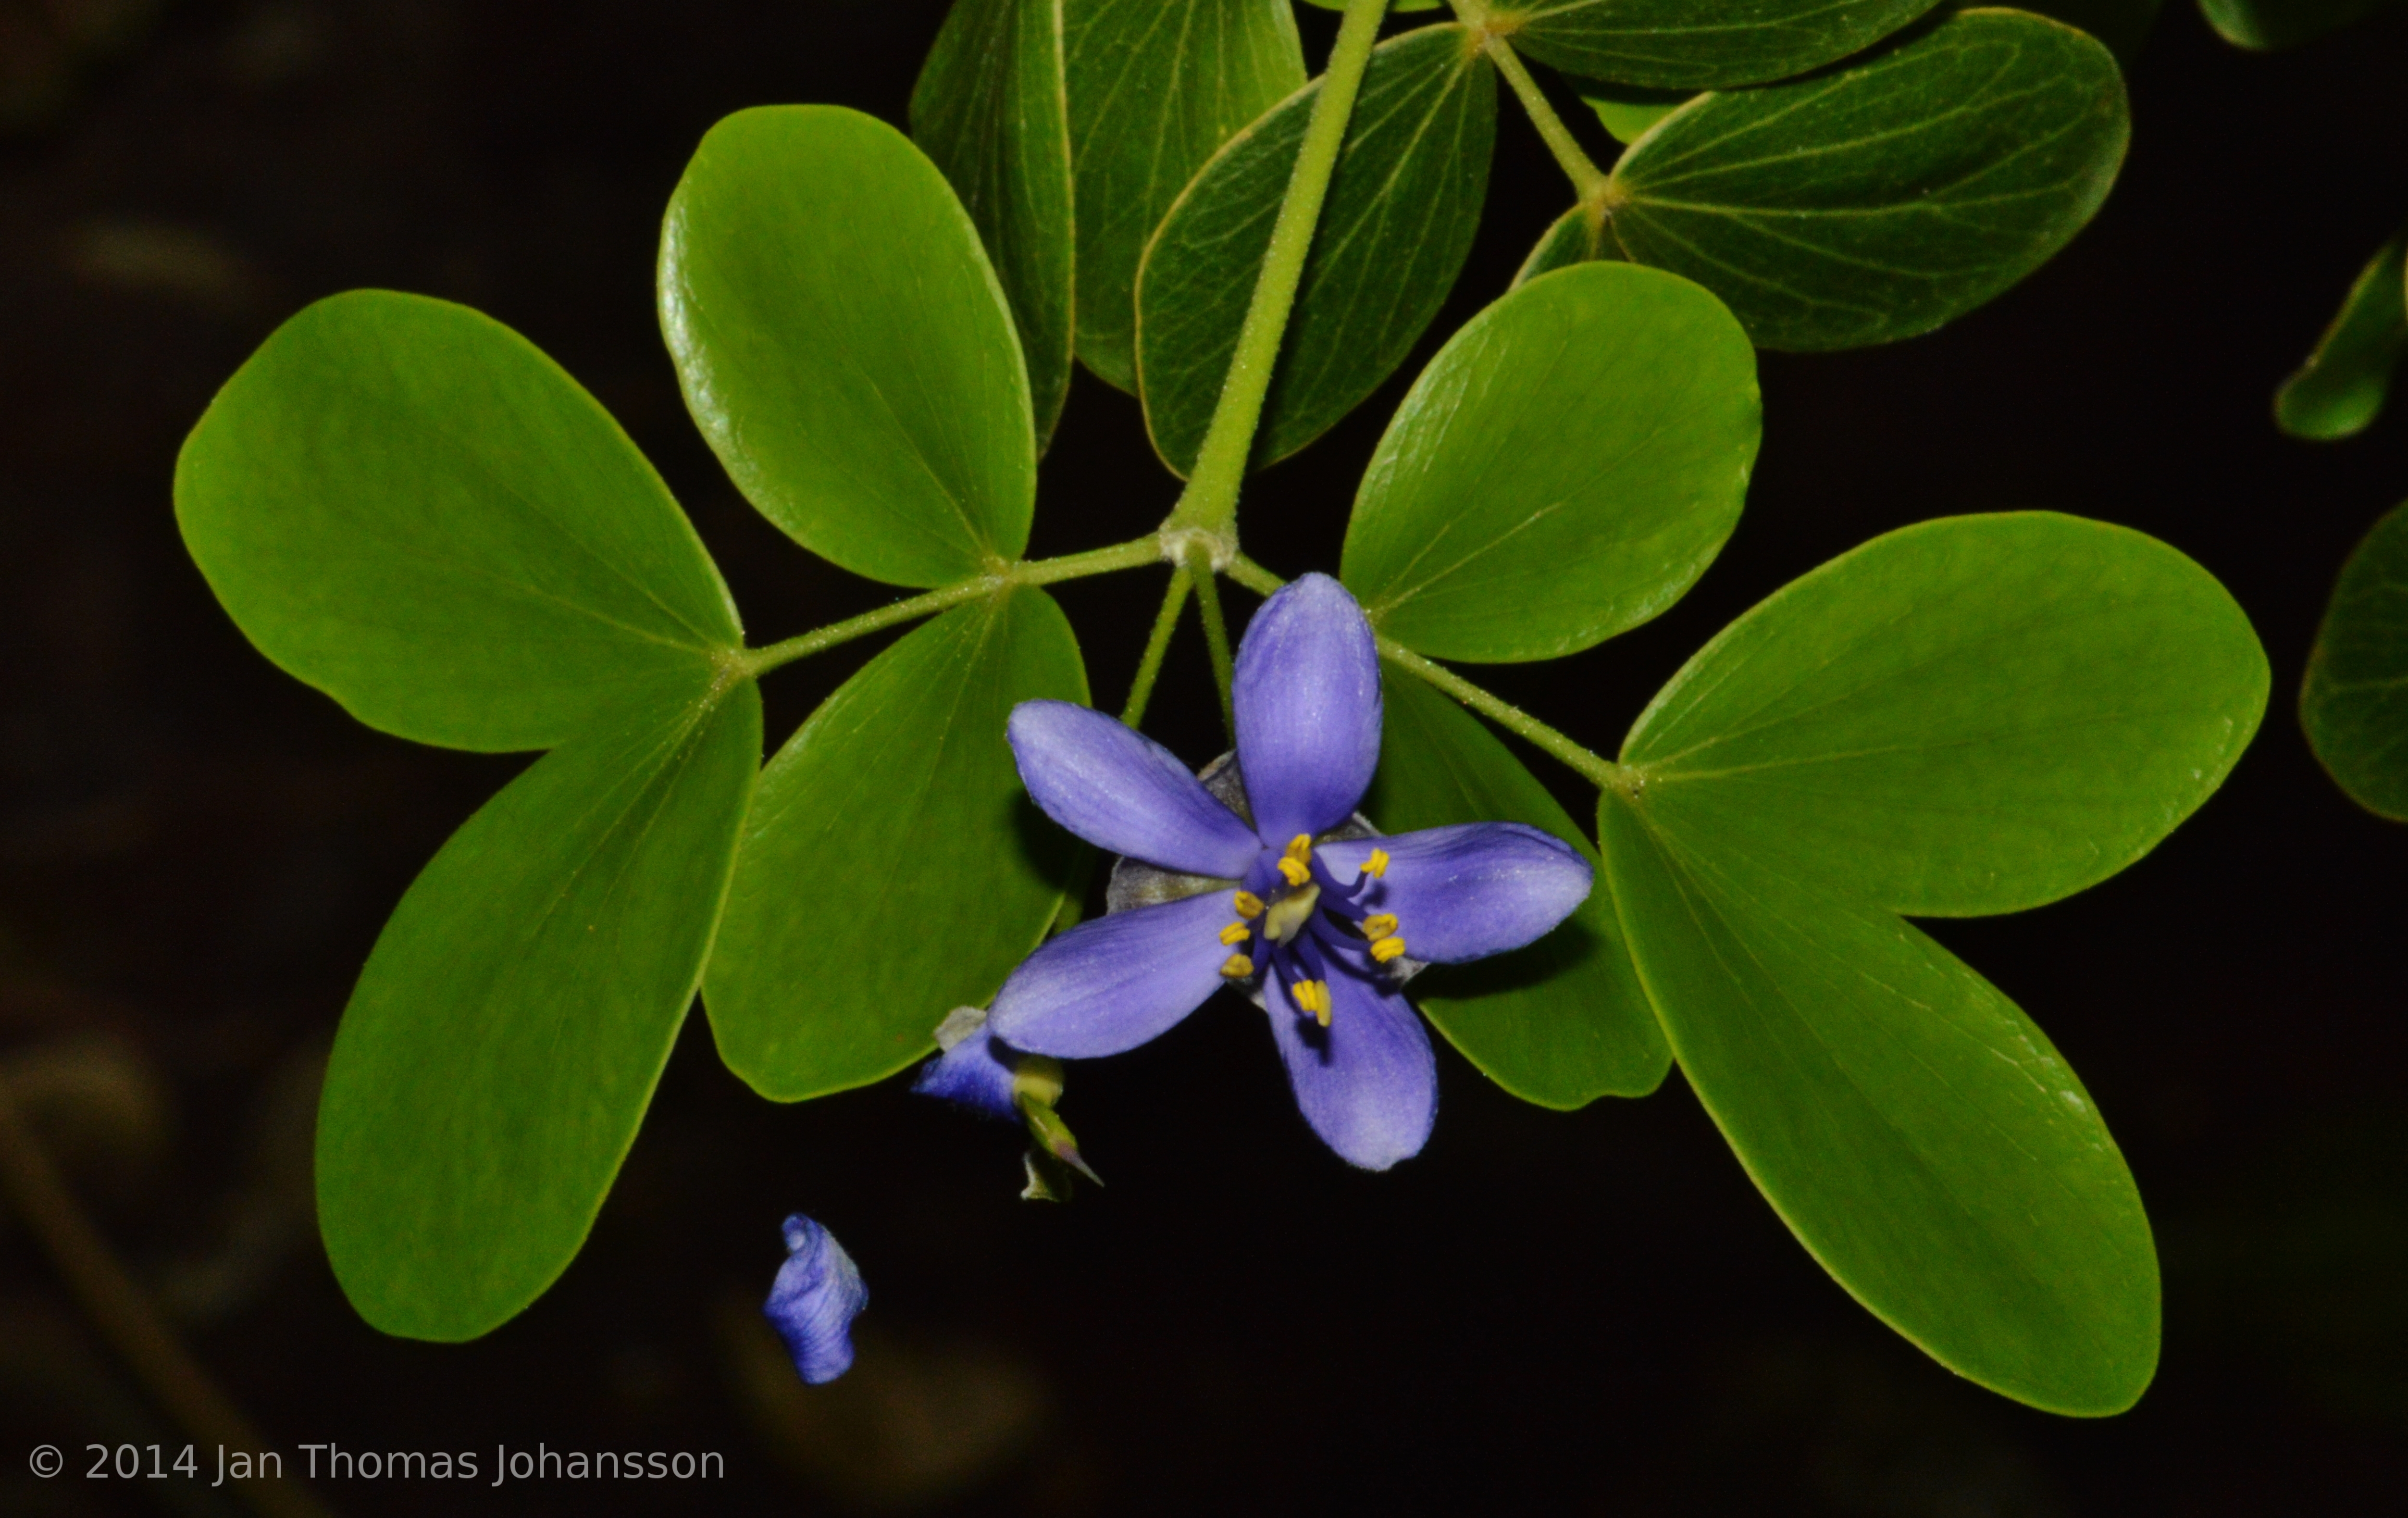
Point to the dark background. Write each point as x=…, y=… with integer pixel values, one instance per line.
x=1592, y=1311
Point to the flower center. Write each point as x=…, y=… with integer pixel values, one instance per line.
x=1305, y=917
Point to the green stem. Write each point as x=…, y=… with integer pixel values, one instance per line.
x=1166, y=622
x=1209, y=503
x=755, y=663
x=1588, y=180
x=126, y=1315
x=1216, y=632
x=1595, y=768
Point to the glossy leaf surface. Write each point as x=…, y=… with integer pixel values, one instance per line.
x=892, y=870
x=1973, y=715
x=1564, y=1021
x=1917, y=1131
x=845, y=347
x=406, y=505
x=1564, y=470
x=2268, y=25
x=2355, y=704
x=503, y=1041
x=992, y=111
x=1878, y=200
x=1157, y=87
x=1701, y=44
x=1404, y=204
x=2344, y=382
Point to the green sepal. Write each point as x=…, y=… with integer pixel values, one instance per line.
x=505, y=1038
x=1883, y=198
x=2354, y=703
x=1564, y=469
x=1912, y=1128
x=893, y=868
x=1404, y=207
x=2343, y=385
x=844, y=345
x=406, y=505
x=1562, y=1021
x=1157, y=87
x=992, y=109
x=1701, y=44
x=1973, y=715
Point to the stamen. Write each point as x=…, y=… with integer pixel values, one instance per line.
x=1236, y=933
x=1313, y=997
x=1380, y=926
x=1237, y=968
x=1249, y=905
x=1297, y=864
x=1384, y=949
x=1377, y=865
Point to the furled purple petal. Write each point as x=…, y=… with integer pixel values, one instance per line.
x=973, y=1072
x=1469, y=891
x=816, y=1297
x=1114, y=982
x=1368, y=1082
x=1307, y=697
x=1123, y=792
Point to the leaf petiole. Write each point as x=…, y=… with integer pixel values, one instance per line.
x=751, y=663
x=1588, y=180
x=1593, y=767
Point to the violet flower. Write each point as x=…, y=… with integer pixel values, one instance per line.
x=1320, y=926
x=812, y=1303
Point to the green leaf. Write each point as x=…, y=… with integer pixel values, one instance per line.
x=1564, y=1021
x=1564, y=470
x=2343, y=385
x=505, y=1038
x=1701, y=44
x=1576, y=236
x=1404, y=207
x=845, y=347
x=1878, y=200
x=1396, y=7
x=1910, y=1124
x=1973, y=715
x=1626, y=110
x=892, y=868
x=993, y=112
x=2355, y=704
x=2269, y=24
x=1156, y=86
x=407, y=506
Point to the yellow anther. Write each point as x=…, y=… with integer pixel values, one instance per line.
x=1377, y=865
x=1296, y=870
x=1299, y=848
x=1236, y=933
x=1237, y=967
x=1249, y=905
x=1384, y=949
x=1313, y=997
x=1380, y=927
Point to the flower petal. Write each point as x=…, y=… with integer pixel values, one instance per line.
x=1307, y=697
x=1114, y=982
x=973, y=1072
x=816, y=1297
x=1469, y=891
x=1368, y=1082
x=1123, y=792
